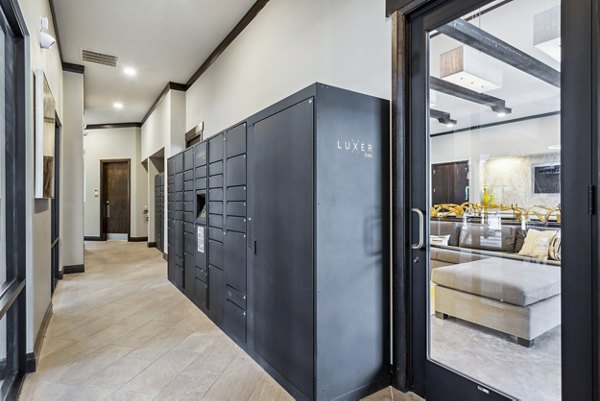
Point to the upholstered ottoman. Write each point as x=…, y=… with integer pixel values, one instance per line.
x=512, y=296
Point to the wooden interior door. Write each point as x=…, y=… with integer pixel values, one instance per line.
x=450, y=183
x=115, y=202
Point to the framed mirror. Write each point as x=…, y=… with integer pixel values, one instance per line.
x=45, y=122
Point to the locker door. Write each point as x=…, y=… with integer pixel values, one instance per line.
x=282, y=212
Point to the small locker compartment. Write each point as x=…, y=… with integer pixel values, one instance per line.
x=236, y=140
x=200, y=172
x=236, y=171
x=215, y=207
x=202, y=275
x=188, y=206
x=236, y=193
x=215, y=293
x=189, y=185
x=171, y=167
x=216, y=234
x=179, y=214
x=215, y=194
x=190, y=244
x=178, y=238
x=236, y=209
x=215, y=253
x=178, y=182
x=215, y=148
x=189, y=217
x=234, y=321
x=215, y=220
x=178, y=163
x=179, y=198
x=189, y=275
x=236, y=224
x=235, y=260
x=188, y=159
x=200, y=154
x=200, y=293
x=188, y=228
x=215, y=168
x=188, y=196
x=215, y=181
x=201, y=183
x=171, y=233
x=172, y=206
x=188, y=175
x=235, y=296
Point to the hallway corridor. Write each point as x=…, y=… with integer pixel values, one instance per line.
x=121, y=331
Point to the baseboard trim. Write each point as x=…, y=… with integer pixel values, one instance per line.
x=165, y=257
x=73, y=269
x=151, y=244
x=92, y=238
x=60, y=274
x=31, y=359
x=138, y=239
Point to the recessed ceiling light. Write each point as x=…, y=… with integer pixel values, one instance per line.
x=554, y=147
x=130, y=71
x=118, y=105
x=501, y=114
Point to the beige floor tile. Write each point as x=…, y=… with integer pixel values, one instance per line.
x=117, y=374
x=86, y=394
x=93, y=363
x=45, y=391
x=160, y=373
x=123, y=395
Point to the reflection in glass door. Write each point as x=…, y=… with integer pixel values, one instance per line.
x=494, y=261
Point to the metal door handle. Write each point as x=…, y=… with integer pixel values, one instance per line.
x=107, y=209
x=421, y=229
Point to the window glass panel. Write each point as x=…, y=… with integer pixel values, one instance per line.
x=495, y=220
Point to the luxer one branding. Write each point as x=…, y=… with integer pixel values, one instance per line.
x=356, y=147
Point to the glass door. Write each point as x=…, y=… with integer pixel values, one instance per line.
x=486, y=199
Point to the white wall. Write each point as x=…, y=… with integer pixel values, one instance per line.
x=38, y=218
x=288, y=46
x=122, y=143
x=71, y=174
x=164, y=130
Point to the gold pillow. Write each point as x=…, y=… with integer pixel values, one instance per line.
x=537, y=243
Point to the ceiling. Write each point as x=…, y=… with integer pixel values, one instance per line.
x=525, y=94
x=162, y=40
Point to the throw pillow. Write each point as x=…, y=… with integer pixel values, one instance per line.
x=537, y=244
x=554, y=250
x=439, y=240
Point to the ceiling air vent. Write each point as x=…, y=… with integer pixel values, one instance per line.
x=98, y=58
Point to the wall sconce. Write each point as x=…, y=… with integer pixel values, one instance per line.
x=46, y=40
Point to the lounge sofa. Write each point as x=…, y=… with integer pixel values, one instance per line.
x=479, y=277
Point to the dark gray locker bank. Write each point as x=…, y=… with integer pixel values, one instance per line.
x=318, y=294
x=282, y=218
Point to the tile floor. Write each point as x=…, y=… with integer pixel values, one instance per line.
x=121, y=331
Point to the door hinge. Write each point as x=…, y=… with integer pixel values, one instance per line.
x=591, y=199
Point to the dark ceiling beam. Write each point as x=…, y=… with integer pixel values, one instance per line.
x=442, y=117
x=241, y=25
x=437, y=114
x=480, y=40
x=112, y=126
x=451, y=89
x=161, y=96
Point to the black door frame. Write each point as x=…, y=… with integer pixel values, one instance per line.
x=55, y=206
x=103, y=233
x=12, y=292
x=579, y=202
